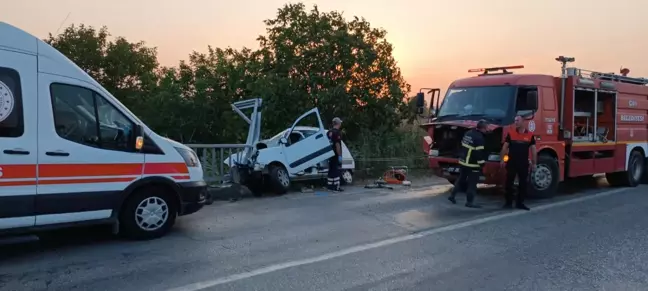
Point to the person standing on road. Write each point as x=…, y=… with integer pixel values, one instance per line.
x=335, y=162
x=517, y=146
x=471, y=164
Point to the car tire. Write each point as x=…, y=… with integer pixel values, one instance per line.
x=256, y=183
x=346, y=178
x=256, y=187
x=279, y=179
x=148, y=213
x=546, y=168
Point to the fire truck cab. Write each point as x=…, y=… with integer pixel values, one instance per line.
x=585, y=123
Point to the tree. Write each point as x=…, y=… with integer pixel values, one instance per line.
x=125, y=69
x=307, y=59
x=345, y=68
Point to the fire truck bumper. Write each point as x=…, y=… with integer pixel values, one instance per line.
x=448, y=168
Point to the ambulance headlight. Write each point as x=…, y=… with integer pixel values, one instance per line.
x=189, y=156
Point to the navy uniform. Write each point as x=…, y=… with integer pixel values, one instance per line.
x=518, y=165
x=335, y=162
x=471, y=163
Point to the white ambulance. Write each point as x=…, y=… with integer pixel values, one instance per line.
x=71, y=153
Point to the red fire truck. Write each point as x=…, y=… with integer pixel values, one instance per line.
x=585, y=123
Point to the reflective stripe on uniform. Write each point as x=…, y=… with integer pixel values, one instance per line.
x=469, y=147
x=468, y=164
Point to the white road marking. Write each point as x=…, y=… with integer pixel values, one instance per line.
x=360, y=248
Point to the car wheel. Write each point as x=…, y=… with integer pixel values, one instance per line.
x=279, y=179
x=347, y=177
x=149, y=213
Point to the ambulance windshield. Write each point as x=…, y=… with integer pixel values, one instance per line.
x=474, y=103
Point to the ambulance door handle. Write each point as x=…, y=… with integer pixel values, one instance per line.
x=16, y=152
x=57, y=154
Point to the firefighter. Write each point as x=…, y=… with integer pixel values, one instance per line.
x=471, y=164
x=517, y=145
x=335, y=162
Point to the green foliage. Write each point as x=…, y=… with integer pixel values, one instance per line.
x=306, y=59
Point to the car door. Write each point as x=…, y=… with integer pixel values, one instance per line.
x=18, y=148
x=86, y=154
x=310, y=150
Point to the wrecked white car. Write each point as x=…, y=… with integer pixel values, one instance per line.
x=295, y=154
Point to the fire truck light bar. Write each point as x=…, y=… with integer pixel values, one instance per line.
x=486, y=70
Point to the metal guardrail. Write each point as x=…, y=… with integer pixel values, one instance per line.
x=216, y=171
x=213, y=156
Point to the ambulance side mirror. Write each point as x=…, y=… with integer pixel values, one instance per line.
x=139, y=137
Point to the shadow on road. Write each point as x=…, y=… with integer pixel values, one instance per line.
x=97, y=236
x=52, y=241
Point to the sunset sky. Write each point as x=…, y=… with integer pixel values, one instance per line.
x=435, y=41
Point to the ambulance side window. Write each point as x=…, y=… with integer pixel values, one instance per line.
x=83, y=116
x=11, y=112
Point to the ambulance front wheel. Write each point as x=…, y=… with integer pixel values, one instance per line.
x=148, y=213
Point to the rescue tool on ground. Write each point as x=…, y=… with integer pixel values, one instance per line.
x=396, y=175
x=585, y=123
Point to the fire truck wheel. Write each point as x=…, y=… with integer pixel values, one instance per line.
x=544, y=179
x=631, y=177
x=644, y=177
x=279, y=179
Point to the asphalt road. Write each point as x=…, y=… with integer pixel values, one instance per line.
x=376, y=240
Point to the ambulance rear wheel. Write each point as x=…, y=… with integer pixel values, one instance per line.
x=148, y=213
x=543, y=181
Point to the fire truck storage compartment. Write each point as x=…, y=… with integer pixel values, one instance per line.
x=594, y=126
x=447, y=140
x=594, y=116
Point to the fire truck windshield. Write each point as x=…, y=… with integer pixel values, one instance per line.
x=492, y=103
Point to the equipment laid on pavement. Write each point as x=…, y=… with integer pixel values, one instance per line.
x=396, y=175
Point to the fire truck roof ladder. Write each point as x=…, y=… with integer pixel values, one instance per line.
x=606, y=76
